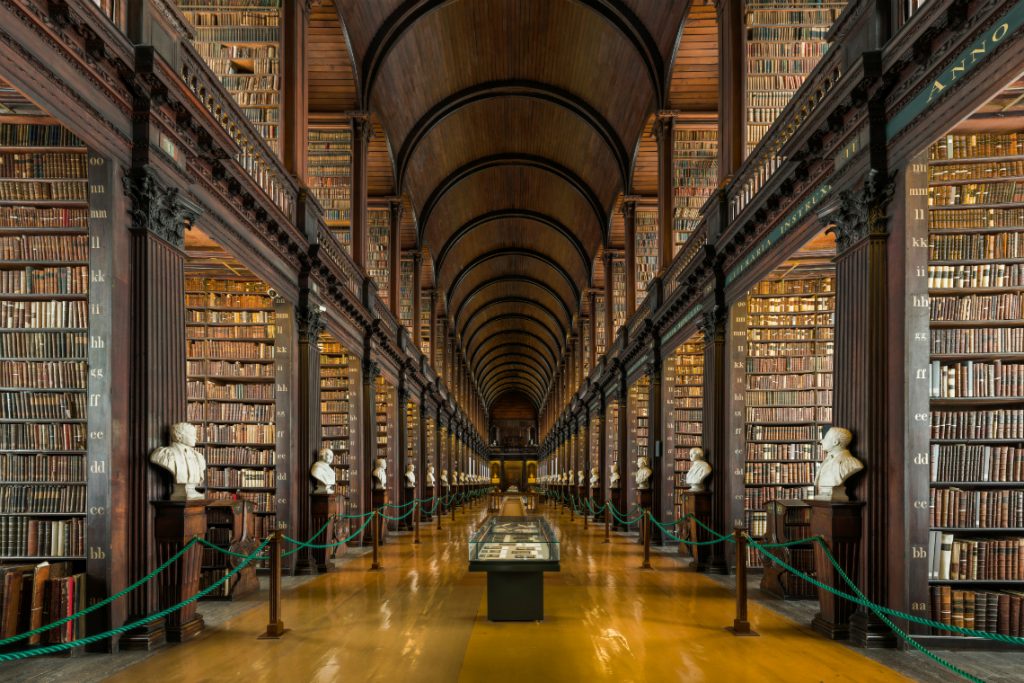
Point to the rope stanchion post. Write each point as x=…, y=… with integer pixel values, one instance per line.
x=645, y=529
x=607, y=525
x=586, y=518
x=375, y=524
x=740, y=625
x=572, y=509
x=275, y=626
x=438, y=509
x=416, y=521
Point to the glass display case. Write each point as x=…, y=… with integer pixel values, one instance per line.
x=513, y=539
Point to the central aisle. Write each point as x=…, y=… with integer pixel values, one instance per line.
x=423, y=618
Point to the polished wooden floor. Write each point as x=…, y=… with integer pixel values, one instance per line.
x=423, y=618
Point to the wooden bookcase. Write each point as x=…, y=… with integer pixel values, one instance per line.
x=965, y=263
x=618, y=276
x=694, y=176
x=406, y=315
x=425, y=327
x=784, y=41
x=378, y=265
x=339, y=375
x=240, y=40
x=599, y=325
x=646, y=248
x=412, y=439
x=384, y=434
x=329, y=176
x=684, y=410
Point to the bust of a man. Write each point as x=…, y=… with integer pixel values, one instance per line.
x=410, y=475
x=700, y=470
x=593, y=478
x=838, y=466
x=323, y=473
x=431, y=479
x=615, y=476
x=579, y=477
x=186, y=465
x=380, y=474
x=643, y=473
x=444, y=479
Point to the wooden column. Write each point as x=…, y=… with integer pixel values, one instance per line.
x=295, y=109
x=309, y=431
x=663, y=484
x=663, y=132
x=402, y=437
x=156, y=379
x=714, y=428
x=361, y=132
x=629, y=254
x=395, y=257
x=731, y=124
x=609, y=319
x=370, y=372
x=417, y=299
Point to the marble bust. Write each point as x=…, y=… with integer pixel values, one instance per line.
x=838, y=466
x=380, y=474
x=186, y=465
x=594, y=483
x=579, y=477
x=615, y=476
x=410, y=475
x=431, y=479
x=699, y=470
x=323, y=473
x=643, y=473
x=444, y=479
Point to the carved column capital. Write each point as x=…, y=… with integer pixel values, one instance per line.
x=863, y=214
x=712, y=325
x=157, y=208
x=371, y=370
x=362, y=129
x=628, y=209
x=310, y=322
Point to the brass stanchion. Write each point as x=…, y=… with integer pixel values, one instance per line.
x=275, y=626
x=645, y=529
x=740, y=625
x=416, y=521
x=375, y=522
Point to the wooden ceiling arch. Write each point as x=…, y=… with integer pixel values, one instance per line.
x=528, y=254
x=518, y=318
x=511, y=349
x=510, y=304
x=520, y=336
x=487, y=367
x=508, y=386
x=512, y=366
x=511, y=377
x=528, y=285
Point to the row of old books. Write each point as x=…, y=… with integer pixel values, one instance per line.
x=227, y=369
x=42, y=498
x=987, y=509
x=968, y=194
x=227, y=392
x=789, y=397
x=980, y=610
x=1007, y=306
x=230, y=411
x=789, y=364
x=975, y=276
x=44, y=248
x=782, y=451
x=37, y=135
x=24, y=405
x=758, y=497
x=821, y=414
x=43, y=344
x=778, y=472
x=42, y=165
x=974, y=247
x=238, y=456
x=216, y=285
x=263, y=501
x=48, y=280
x=33, y=595
x=44, y=467
x=43, y=217
x=976, y=379
x=780, y=380
x=216, y=299
x=43, y=190
x=247, y=317
x=983, y=170
x=243, y=478
x=965, y=462
x=1004, y=423
x=976, y=220
x=979, y=340
x=52, y=374
x=961, y=146
x=43, y=314
x=22, y=536
x=43, y=437
x=237, y=433
x=759, y=432
x=255, y=332
x=975, y=559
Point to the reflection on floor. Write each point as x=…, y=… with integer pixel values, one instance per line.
x=422, y=618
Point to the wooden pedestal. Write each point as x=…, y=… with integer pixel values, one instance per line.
x=324, y=507
x=644, y=497
x=839, y=524
x=618, y=499
x=698, y=504
x=596, y=502
x=407, y=498
x=378, y=499
x=177, y=522
x=428, y=504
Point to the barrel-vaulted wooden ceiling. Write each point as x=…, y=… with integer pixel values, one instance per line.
x=512, y=127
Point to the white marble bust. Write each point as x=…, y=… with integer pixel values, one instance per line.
x=643, y=473
x=579, y=477
x=410, y=475
x=594, y=481
x=838, y=466
x=323, y=472
x=380, y=474
x=615, y=476
x=431, y=479
x=700, y=469
x=186, y=465
x=444, y=479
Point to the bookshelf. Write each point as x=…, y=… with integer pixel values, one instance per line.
x=975, y=440
x=586, y=342
x=240, y=40
x=789, y=325
x=684, y=413
x=425, y=327
x=784, y=41
x=611, y=448
x=338, y=411
x=638, y=411
x=378, y=265
x=430, y=452
x=412, y=438
x=405, y=296
x=384, y=432
x=618, y=275
x=599, y=325
x=594, y=447
x=646, y=248
x=231, y=335
x=44, y=344
x=329, y=176
x=694, y=177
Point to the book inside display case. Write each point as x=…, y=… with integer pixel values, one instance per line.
x=339, y=379
x=965, y=202
x=238, y=341
x=784, y=366
x=684, y=410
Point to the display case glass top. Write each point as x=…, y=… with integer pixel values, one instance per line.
x=517, y=541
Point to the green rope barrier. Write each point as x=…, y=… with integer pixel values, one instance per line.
x=786, y=544
x=396, y=519
x=684, y=541
x=102, y=603
x=88, y=640
x=335, y=544
x=711, y=531
x=403, y=505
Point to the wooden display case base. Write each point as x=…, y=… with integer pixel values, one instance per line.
x=839, y=524
x=177, y=522
x=145, y=638
x=698, y=504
